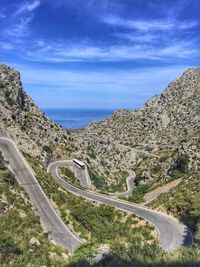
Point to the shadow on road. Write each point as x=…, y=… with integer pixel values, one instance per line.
x=188, y=238
x=114, y=261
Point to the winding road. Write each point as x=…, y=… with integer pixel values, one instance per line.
x=50, y=220
x=130, y=186
x=172, y=233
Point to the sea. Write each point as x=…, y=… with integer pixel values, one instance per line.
x=76, y=118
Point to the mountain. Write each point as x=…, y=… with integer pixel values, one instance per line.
x=155, y=141
x=22, y=121
x=159, y=142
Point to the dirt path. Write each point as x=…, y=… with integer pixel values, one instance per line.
x=162, y=189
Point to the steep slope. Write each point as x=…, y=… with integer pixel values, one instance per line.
x=156, y=141
x=22, y=121
x=160, y=142
x=22, y=239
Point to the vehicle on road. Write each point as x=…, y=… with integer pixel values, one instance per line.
x=172, y=233
x=79, y=163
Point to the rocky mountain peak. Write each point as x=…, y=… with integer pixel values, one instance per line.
x=22, y=120
x=158, y=129
x=184, y=86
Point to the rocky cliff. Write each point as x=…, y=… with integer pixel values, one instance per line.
x=22, y=121
x=155, y=141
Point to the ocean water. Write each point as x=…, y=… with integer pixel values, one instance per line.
x=76, y=118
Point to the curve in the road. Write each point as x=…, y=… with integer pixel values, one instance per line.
x=130, y=186
x=172, y=233
x=50, y=220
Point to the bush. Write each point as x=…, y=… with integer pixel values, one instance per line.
x=137, y=251
x=156, y=169
x=9, y=99
x=182, y=163
x=2, y=167
x=98, y=181
x=47, y=149
x=8, y=248
x=69, y=176
x=138, y=193
x=8, y=177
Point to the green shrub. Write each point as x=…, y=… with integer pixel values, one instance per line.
x=8, y=248
x=2, y=167
x=8, y=177
x=91, y=152
x=69, y=176
x=9, y=99
x=138, y=193
x=47, y=149
x=98, y=181
x=156, y=169
x=182, y=163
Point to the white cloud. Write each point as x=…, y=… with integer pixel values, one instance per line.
x=149, y=25
x=147, y=40
x=121, y=88
x=28, y=6
x=60, y=52
x=20, y=29
x=135, y=37
x=136, y=77
x=24, y=14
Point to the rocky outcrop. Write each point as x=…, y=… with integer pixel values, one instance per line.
x=22, y=121
x=155, y=141
x=153, y=138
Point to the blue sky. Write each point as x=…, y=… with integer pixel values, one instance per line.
x=98, y=53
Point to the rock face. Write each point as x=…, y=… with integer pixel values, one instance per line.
x=155, y=141
x=152, y=139
x=21, y=119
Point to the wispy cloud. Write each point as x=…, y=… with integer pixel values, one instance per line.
x=163, y=40
x=149, y=25
x=2, y=15
x=21, y=19
x=20, y=28
x=80, y=88
x=28, y=6
x=60, y=52
x=136, y=37
x=6, y=46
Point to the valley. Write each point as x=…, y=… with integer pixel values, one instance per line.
x=148, y=149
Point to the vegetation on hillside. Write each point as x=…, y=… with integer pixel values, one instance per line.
x=96, y=224
x=143, y=254
x=131, y=240
x=68, y=175
x=183, y=201
x=22, y=239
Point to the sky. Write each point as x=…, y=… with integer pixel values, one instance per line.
x=98, y=53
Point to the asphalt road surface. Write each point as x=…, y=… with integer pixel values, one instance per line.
x=130, y=186
x=172, y=233
x=80, y=175
x=78, y=172
x=50, y=220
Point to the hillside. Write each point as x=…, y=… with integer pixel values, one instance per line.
x=22, y=120
x=159, y=142
x=154, y=141
x=22, y=238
